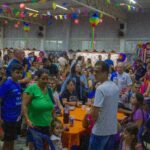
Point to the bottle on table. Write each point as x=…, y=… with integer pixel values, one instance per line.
x=66, y=115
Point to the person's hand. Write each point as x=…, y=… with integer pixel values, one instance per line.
x=29, y=123
x=1, y=122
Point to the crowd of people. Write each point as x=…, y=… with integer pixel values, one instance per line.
x=34, y=90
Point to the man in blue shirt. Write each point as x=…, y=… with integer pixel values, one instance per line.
x=10, y=95
x=108, y=61
x=18, y=59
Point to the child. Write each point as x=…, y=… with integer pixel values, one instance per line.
x=129, y=138
x=55, y=87
x=10, y=94
x=146, y=136
x=139, y=115
x=57, y=129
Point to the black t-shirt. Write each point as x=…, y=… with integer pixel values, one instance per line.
x=53, y=69
x=140, y=73
x=71, y=97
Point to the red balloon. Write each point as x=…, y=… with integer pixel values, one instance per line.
x=22, y=15
x=76, y=21
x=16, y=26
x=22, y=6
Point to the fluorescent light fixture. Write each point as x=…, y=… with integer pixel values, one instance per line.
x=61, y=7
x=133, y=1
x=32, y=9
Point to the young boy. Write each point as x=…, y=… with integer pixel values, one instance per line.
x=10, y=97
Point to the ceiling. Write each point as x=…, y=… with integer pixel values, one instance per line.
x=80, y=6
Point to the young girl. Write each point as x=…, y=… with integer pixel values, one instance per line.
x=139, y=115
x=57, y=129
x=129, y=138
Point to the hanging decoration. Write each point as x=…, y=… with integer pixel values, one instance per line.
x=76, y=21
x=34, y=1
x=22, y=6
x=94, y=21
x=107, y=1
x=54, y=5
x=22, y=15
x=122, y=57
x=26, y=27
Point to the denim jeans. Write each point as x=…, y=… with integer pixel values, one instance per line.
x=101, y=142
x=38, y=139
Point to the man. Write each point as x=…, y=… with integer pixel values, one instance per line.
x=99, y=58
x=124, y=83
x=10, y=97
x=104, y=110
x=52, y=68
x=17, y=59
x=140, y=70
x=108, y=61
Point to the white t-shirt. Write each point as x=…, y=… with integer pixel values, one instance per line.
x=123, y=80
x=106, y=98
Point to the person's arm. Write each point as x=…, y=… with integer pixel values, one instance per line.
x=95, y=110
x=24, y=80
x=146, y=94
x=65, y=102
x=139, y=123
x=94, y=113
x=139, y=118
x=1, y=121
x=26, y=100
x=129, y=83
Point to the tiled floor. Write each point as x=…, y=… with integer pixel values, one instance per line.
x=20, y=144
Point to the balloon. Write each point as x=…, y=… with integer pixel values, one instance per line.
x=54, y=5
x=16, y=26
x=122, y=57
x=94, y=21
x=74, y=15
x=22, y=6
x=22, y=15
x=76, y=21
x=15, y=10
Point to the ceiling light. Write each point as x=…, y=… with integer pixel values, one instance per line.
x=31, y=9
x=61, y=7
x=133, y=1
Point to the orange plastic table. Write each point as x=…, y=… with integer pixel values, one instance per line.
x=72, y=137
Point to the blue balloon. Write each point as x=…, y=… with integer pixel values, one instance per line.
x=74, y=15
x=95, y=15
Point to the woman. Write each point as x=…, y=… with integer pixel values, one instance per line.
x=139, y=115
x=89, y=63
x=38, y=107
x=69, y=96
x=74, y=75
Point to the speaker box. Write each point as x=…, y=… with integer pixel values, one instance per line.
x=122, y=26
x=41, y=32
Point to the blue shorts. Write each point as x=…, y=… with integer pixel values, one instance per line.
x=101, y=142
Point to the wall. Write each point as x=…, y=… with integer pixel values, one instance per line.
x=64, y=35
x=138, y=30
